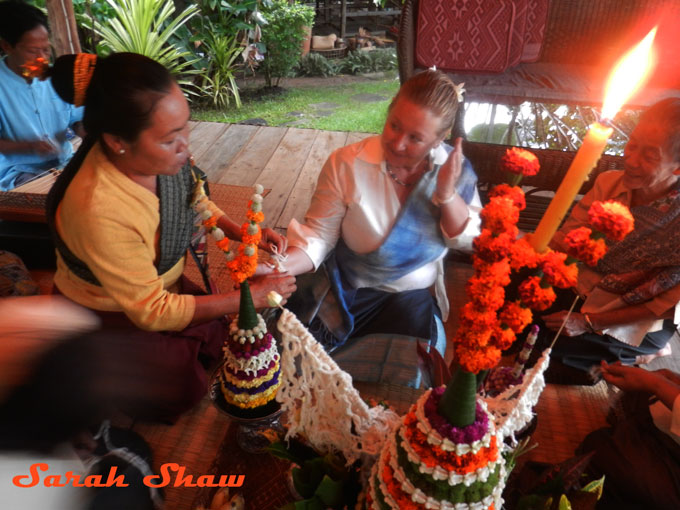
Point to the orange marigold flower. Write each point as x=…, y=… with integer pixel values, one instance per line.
x=612, y=218
x=210, y=222
x=497, y=272
x=582, y=246
x=502, y=337
x=515, y=316
x=534, y=295
x=257, y=217
x=472, y=338
x=243, y=266
x=514, y=193
x=223, y=244
x=520, y=161
x=558, y=273
x=473, y=317
x=475, y=359
x=492, y=247
x=499, y=215
x=522, y=254
x=490, y=297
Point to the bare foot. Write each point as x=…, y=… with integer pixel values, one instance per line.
x=646, y=358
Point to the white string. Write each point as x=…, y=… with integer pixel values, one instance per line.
x=277, y=259
x=320, y=401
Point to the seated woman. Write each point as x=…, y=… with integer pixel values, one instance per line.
x=122, y=219
x=34, y=120
x=384, y=213
x=631, y=296
x=640, y=454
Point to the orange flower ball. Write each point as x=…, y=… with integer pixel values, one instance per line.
x=520, y=161
x=583, y=247
x=611, y=218
x=492, y=247
x=514, y=193
x=515, y=316
x=534, y=295
x=522, y=254
x=558, y=273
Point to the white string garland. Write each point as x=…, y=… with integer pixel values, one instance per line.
x=320, y=401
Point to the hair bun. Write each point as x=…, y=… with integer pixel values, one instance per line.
x=61, y=73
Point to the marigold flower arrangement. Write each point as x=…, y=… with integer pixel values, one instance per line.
x=446, y=452
x=242, y=265
x=250, y=376
x=35, y=68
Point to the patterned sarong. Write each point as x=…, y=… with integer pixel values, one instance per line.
x=647, y=262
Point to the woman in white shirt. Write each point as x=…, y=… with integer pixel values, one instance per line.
x=384, y=213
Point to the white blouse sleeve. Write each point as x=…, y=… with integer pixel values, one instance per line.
x=320, y=232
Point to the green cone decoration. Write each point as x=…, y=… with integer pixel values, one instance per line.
x=247, y=317
x=459, y=401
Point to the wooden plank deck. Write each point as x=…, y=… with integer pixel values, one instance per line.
x=287, y=160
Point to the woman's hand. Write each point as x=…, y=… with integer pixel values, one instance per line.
x=282, y=283
x=628, y=378
x=576, y=324
x=272, y=238
x=450, y=172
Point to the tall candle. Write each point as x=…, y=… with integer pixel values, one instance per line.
x=627, y=76
x=584, y=161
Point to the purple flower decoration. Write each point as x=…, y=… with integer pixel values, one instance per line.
x=462, y=435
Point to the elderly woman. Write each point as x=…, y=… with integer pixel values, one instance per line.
x=385, y=212
x=34, y=121
x=122, y=219
x=631, y=297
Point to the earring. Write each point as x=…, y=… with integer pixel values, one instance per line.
x=121, y=151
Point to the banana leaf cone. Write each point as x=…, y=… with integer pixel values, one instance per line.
x=247, y=316
x=459, y=401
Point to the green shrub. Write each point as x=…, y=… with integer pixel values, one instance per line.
x=315, y=64
x=218, y=79
x=359, y=61
x=283, y=35
x=147, y=27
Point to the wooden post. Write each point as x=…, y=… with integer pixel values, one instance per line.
x=63, y=26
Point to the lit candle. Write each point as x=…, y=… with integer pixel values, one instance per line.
x=627, y=76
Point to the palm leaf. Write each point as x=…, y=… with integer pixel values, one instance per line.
x=146, y=27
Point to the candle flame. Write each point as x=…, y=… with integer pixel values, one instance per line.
x=628, y=75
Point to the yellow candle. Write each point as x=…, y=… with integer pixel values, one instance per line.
x=584, y=161
x=628, y=75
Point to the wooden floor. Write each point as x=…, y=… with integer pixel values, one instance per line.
x=287, y=160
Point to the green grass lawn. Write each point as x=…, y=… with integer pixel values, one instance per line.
x=351, y=115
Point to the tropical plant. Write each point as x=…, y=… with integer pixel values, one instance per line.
x=283, y=35
x=219, y=80
x=315, y=64
x=146, y=27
